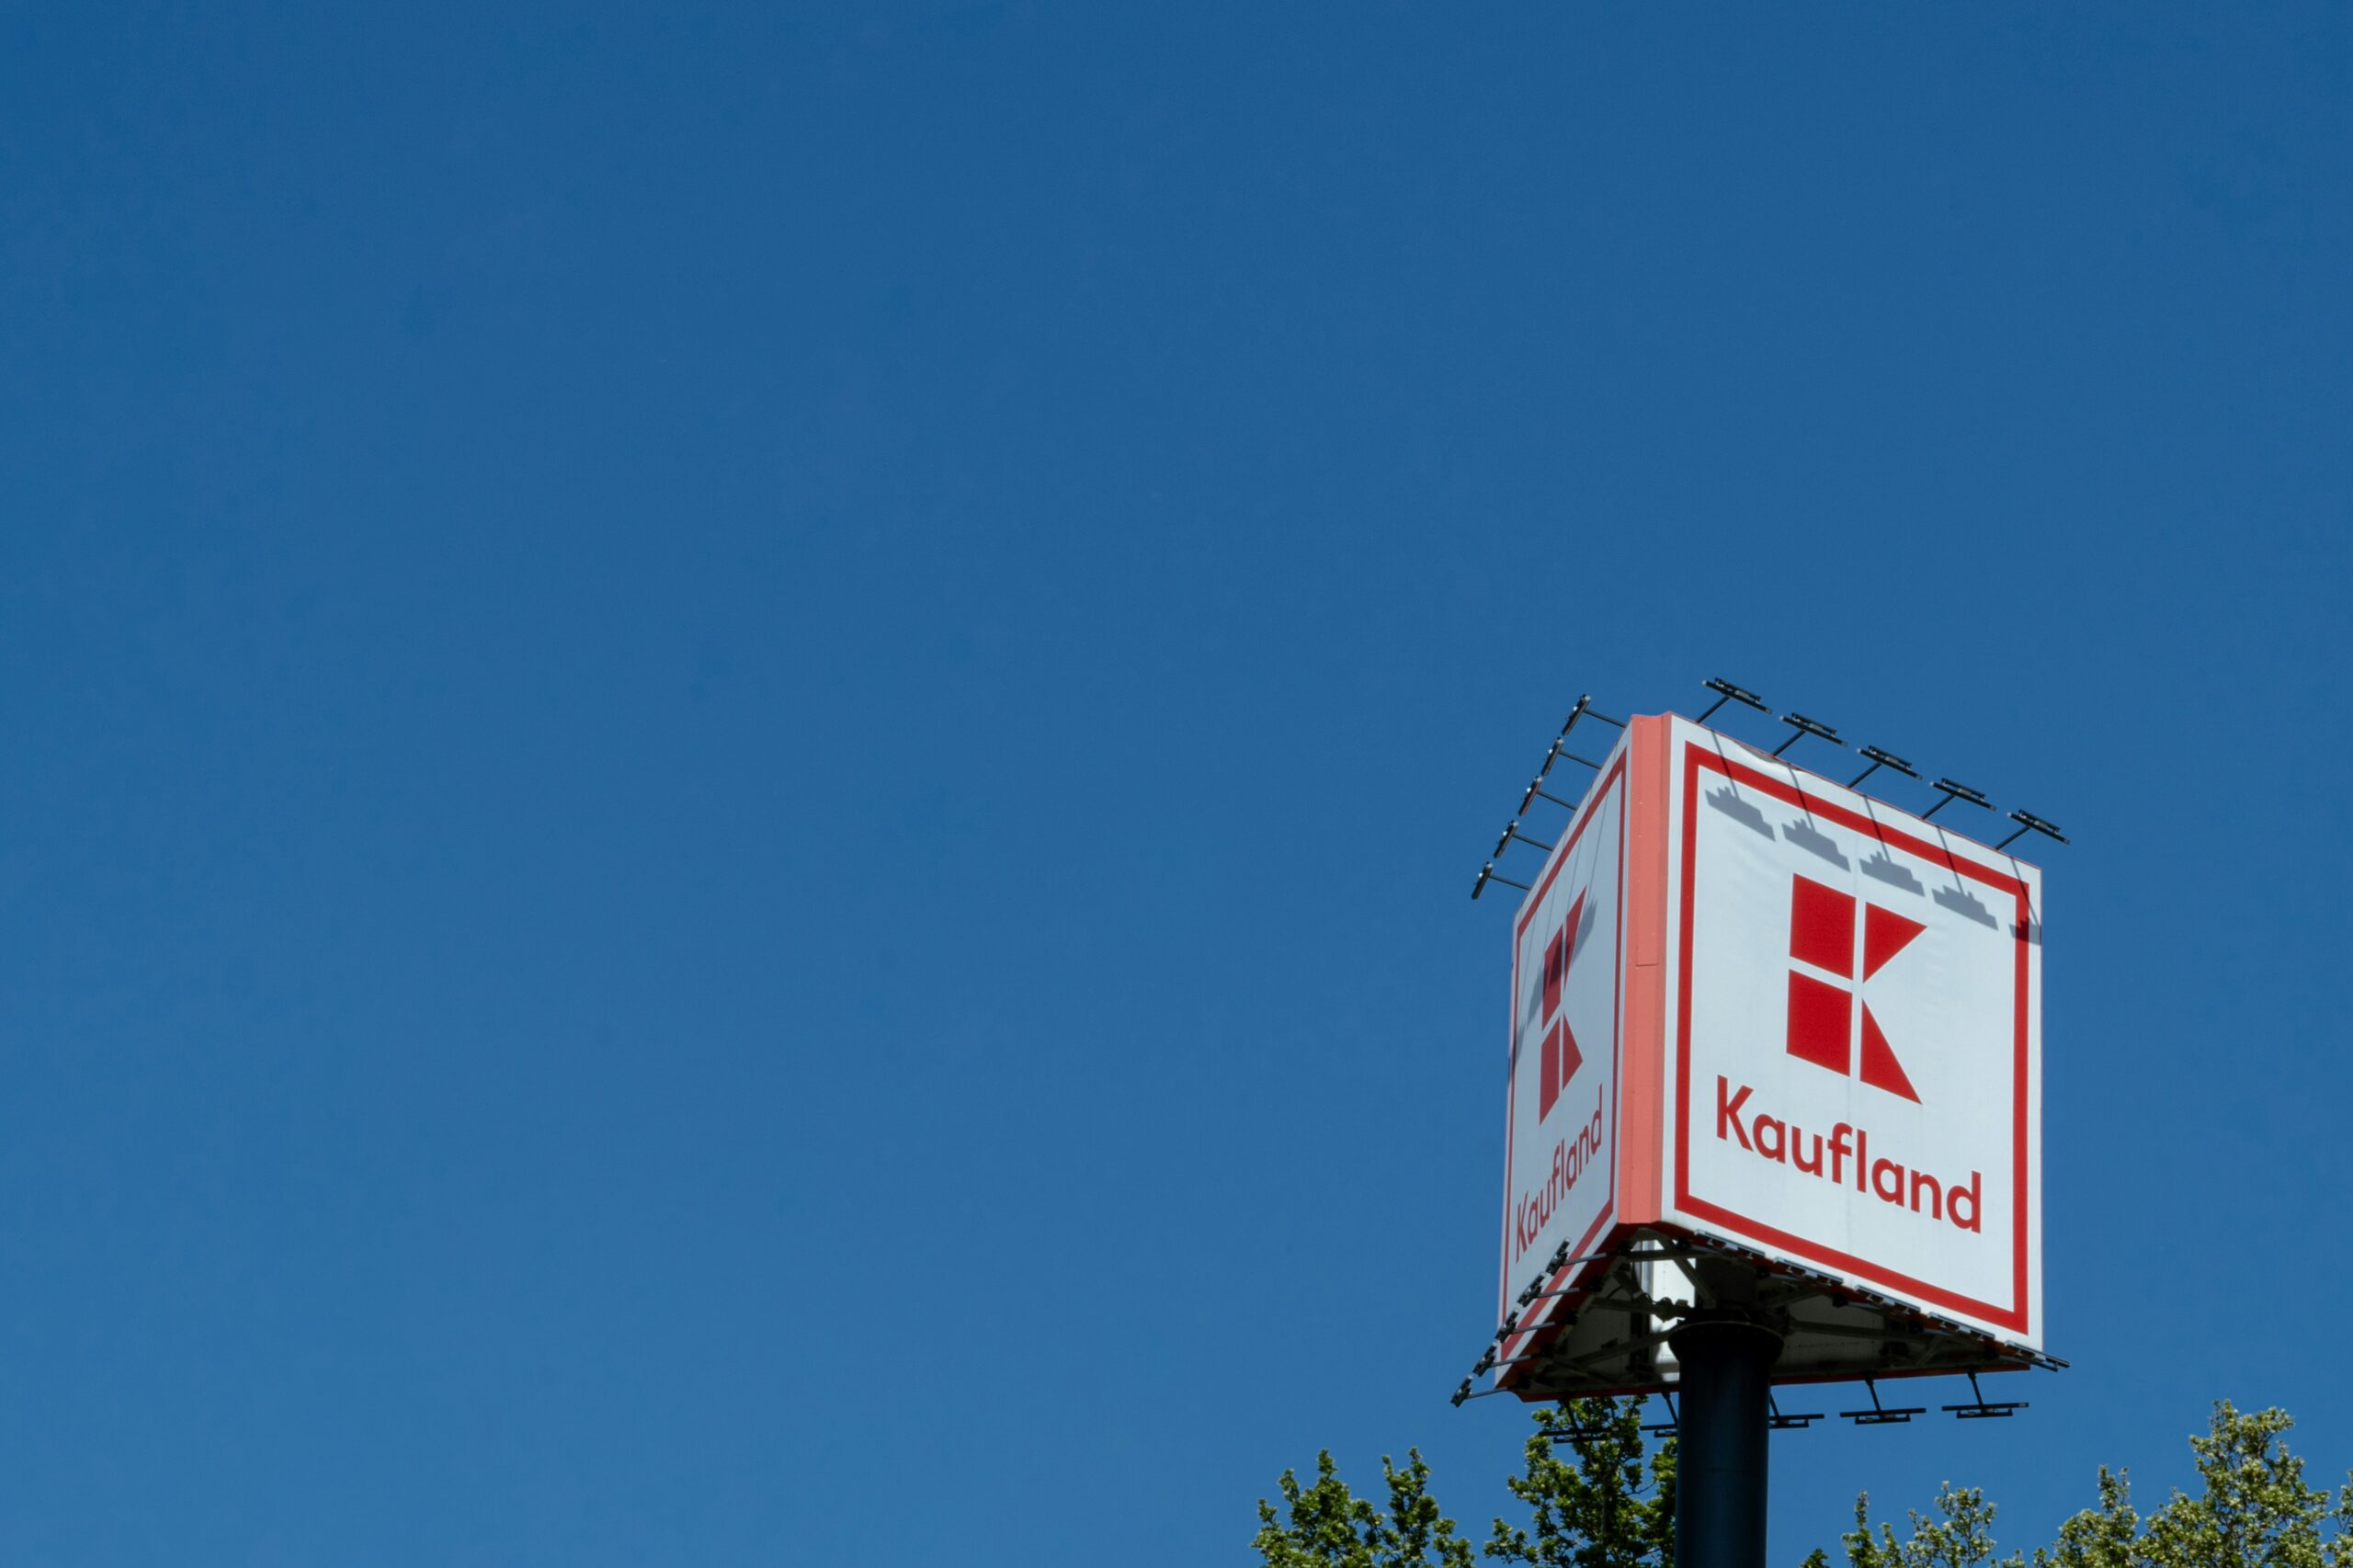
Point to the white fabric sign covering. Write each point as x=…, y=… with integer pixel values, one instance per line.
x=1567, y=976
x=1853, y=1037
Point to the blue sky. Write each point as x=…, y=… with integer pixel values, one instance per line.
x=742, y=746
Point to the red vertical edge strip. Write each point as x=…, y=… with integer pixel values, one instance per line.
x=1691, y=754
x=2019, y=1131
x=1641, y=1089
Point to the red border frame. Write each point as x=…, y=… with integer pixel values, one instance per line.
x=1612, y=777
x=1697, y=756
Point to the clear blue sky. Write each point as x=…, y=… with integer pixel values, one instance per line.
x=740, y=748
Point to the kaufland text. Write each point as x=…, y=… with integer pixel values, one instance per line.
x=1571, y=1156
x=1844, y=1148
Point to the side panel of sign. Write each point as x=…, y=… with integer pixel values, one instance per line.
x=1568, y=979
x=1643, y=1081
x=1854, y=1038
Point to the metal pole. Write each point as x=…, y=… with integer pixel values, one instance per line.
x=1725, y=1363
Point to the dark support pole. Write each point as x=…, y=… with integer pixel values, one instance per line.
x=1726, y=1365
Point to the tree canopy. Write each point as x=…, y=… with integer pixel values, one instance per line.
x=1605, y=1499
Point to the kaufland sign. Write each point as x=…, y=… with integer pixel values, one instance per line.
x=1750, y=1003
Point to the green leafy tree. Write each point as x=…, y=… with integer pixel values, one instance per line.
x=2254, y=1509
x=1607, y=1501
x=1609, y=1505
x=1329, y=1526
x=2104, y=1536
x=1960, y=1534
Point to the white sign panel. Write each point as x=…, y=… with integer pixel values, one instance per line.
x=1561, y=1162
x=1853, y=1046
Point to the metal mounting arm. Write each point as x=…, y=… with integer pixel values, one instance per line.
x=1727, y=692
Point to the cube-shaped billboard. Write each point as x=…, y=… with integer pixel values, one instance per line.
x=1758, y=1016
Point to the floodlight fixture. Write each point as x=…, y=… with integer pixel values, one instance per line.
x=2028, y=822
x=1536, y=791
x=1558, y=750
x=1727, y=692
x=1802, y=727
x=1511, y=832
x=1487, y=873
x=1880, y=759
x=1954, y=791
x=1572, y=1433
x=1981, y=1409
x=1880, y=1415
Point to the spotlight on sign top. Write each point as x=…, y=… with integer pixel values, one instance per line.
x=1776, y=1060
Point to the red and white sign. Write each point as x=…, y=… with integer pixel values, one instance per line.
x=1797, y=1020
x=1854, y=1053
x=1567, y=968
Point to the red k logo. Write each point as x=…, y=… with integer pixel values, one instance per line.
x=1562, y=1058
x=1822, y=1011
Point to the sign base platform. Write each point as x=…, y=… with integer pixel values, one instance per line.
x=1604, y=1325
